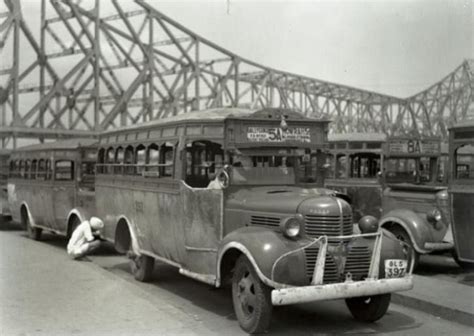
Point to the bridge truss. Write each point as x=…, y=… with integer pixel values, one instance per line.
x=90, y=69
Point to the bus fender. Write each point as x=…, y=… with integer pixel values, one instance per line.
x=28, y=213
x=80, y=213
x=126, y=236
x=415, y=225
x=264, y=248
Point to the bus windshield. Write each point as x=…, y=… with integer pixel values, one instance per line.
x=283, y=167
x=409, y=170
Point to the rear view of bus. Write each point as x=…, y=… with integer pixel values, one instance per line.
x=461, y=190
x=47, y=180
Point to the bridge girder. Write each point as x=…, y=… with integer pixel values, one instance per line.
x=92, y=71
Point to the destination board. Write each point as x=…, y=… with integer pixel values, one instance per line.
x=278, y=134
x=410, y=146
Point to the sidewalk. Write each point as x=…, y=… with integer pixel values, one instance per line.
x=446, y=299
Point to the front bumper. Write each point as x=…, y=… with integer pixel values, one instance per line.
x=292, y=295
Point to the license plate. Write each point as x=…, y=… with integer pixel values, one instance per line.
x=395, y=268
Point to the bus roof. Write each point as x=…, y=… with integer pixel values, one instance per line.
x=59, y=145
x=219, y=114
x=464, y=123
x=359, y=137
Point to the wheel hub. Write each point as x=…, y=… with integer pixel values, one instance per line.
x=246, y=294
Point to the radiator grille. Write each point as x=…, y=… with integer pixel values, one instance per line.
x=358, y=262
x=330, y=268
x=328, y=225
x=265, y=221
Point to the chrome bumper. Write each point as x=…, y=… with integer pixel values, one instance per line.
x=292, y=295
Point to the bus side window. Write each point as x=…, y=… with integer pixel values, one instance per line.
x=140, y=159
x=64, y=170
x=118, y=162
x=13, y=168
x=341, y=164
x=48, y=170
x=101, y=161
x=27, y=169
x=152, y=161
x=109, y=160
x=167, y=158
x=21, y=169
x=40, y=175
x=34, y=165
x=129, y=161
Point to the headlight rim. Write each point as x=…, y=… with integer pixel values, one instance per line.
x=284, y=226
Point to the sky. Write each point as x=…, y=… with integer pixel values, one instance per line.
x=393, y=47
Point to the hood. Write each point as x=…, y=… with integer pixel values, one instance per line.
x=276, y=199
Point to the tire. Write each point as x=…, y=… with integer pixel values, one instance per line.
x=142, y=267
x=369, y=308
x=33, y=232
x=251, y=298
x=403, y=236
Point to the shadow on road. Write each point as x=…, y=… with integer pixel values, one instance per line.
x=10, y=226
x=330, y=317
x=443, y=265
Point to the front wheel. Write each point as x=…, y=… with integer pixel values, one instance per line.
x=403, y=236
x=251, y=298
x=369, y=308
x=142, y=267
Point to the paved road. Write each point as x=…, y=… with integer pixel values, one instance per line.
x=43, y=292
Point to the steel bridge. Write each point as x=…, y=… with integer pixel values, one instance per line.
x=90, y=69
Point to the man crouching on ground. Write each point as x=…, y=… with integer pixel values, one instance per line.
x=85, y=238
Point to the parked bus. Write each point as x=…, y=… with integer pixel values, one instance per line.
x=400, y=180
x=4, y=208
x=218, y=194
x=461, y=190
x=47, y=180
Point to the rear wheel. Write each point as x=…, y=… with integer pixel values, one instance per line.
x=33, y=232
x=251, y=298
x=369, y=308
x=142, y=267
x=403, y=236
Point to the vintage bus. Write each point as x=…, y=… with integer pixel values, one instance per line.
x=218, y=194
x=400, y=180
x=47, y=180
x=461, y=190
x=4, y=208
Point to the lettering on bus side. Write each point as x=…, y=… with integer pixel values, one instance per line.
x=139, y=206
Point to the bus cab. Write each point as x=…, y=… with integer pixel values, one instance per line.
x=236, y=196
x=461, y=190
x=397, y=179
x=47, y=180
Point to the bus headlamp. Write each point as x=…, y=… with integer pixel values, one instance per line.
x=434, y=216
x=368, y=224
x=291, y=227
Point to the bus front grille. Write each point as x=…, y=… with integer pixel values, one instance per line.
x=330, y=268
x=328, y=225
x=358, y=262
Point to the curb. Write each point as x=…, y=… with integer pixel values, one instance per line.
x=437, y=309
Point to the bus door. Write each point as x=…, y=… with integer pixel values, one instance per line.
x=202, y=207
x=64, y=188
